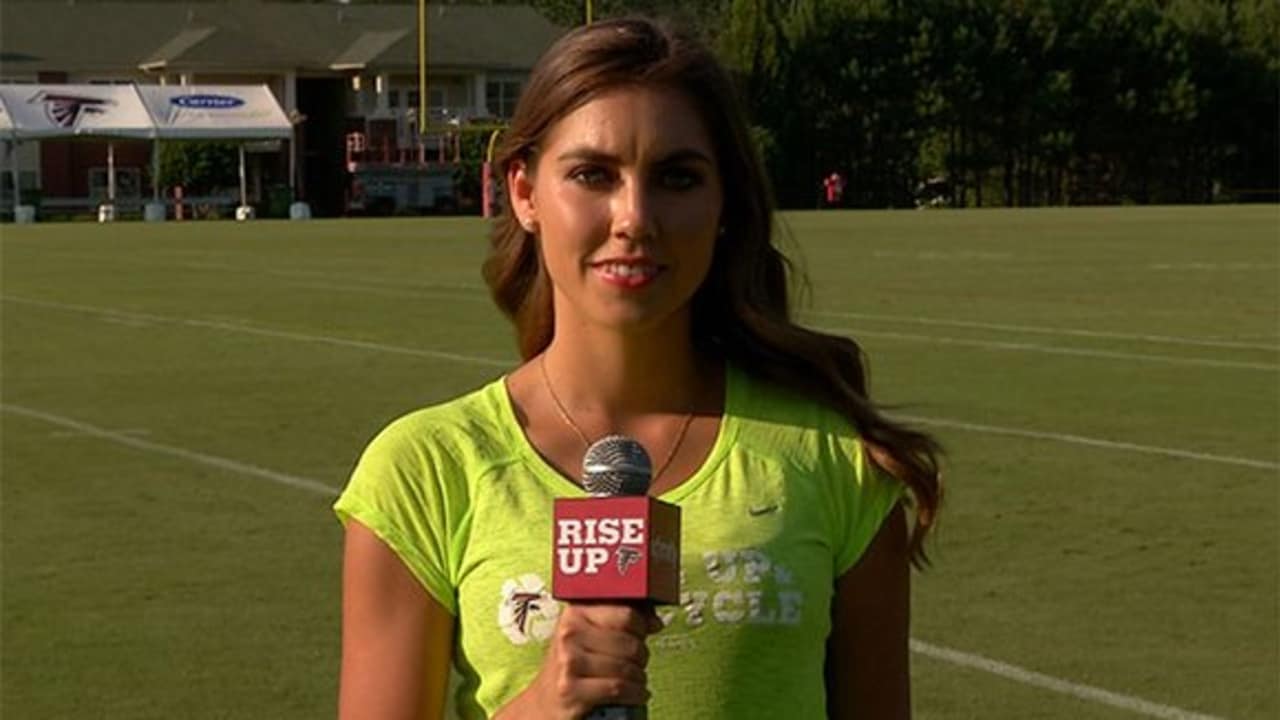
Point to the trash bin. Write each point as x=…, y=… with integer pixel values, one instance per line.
x=278, y=199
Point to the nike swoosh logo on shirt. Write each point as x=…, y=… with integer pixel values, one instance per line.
x=759, y=510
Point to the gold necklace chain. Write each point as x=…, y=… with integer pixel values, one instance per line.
x=586, y=442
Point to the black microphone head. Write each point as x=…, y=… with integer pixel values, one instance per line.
x=616, y=465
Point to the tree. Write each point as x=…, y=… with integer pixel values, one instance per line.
x=200, y=166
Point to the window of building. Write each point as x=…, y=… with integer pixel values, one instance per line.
x=500, y=97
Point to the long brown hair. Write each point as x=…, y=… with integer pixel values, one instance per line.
x=741, y=311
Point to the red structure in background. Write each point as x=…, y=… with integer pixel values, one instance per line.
x=385, y=177
x=380, y=146
x=833, y=189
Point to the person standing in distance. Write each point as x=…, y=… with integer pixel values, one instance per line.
x=635, y=258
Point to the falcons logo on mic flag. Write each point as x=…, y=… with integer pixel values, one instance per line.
x=627, y=556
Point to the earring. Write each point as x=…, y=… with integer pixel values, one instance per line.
x=530, y=226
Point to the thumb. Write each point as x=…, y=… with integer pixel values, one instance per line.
x=655, y=623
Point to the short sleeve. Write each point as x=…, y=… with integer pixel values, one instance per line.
x=410, y=499
x=863, y=499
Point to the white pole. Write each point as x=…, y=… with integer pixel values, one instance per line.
x=244, y=199
x=111, y=173
x=11, y=149
x=155, y=170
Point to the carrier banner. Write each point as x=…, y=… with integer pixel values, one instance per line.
x=43, y=111
x=215, y=111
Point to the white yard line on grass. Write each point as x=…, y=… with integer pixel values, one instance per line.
x=1048, y=682
x=126, y=317
x=1166, y=339
x=475, y=360
x=473, y=290
x=955, y=657
x=480, y=294
x=1055, y=350
x=478, y=290
x=63, y=434
x=362, y=344
x=1093, y=442
x=197, y=457
x=424, y=292
x=123, y=315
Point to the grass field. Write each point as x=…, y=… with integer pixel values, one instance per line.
x=182, y=401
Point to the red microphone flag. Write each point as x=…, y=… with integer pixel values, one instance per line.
x=621, y=547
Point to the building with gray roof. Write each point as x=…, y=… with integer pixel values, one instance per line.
x=347, y=74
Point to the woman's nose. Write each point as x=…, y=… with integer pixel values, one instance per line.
x=633, y=216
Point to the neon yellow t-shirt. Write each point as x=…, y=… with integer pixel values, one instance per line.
x=783, y=505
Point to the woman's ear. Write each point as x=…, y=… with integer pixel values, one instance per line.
x=520, y=187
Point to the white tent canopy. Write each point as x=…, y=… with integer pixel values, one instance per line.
x=227, y=112
x=6, y=124
x=232, y=112
x=154, y=112
x=11, y=153
x=51, y=111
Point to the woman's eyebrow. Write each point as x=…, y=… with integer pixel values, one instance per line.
x=685, y=155
x=589, y=154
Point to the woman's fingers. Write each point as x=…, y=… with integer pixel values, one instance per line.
x=602, y=631
x=604, y=667
x=639, y=621
x=611, y=691
x=619, y=630
x=598, y=656
x=653, y=623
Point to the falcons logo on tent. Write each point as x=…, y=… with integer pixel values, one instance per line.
x=67, y=110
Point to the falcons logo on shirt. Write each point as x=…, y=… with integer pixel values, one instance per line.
x=522, y=603
x=527, y=611
x=66, y=111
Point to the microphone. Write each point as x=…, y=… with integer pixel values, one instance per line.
x=619, y=545
x=616, y=465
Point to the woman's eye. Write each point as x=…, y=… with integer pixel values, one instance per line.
x=590, y=176
x=680, y=178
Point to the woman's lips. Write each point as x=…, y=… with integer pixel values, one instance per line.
x=630, y=274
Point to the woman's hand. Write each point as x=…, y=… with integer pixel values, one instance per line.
x=597, y=656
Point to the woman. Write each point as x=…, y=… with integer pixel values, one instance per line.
x=635, y=260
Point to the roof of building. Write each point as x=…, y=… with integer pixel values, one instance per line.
x=368, y=48
x=215, y=48
x=257, y=36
